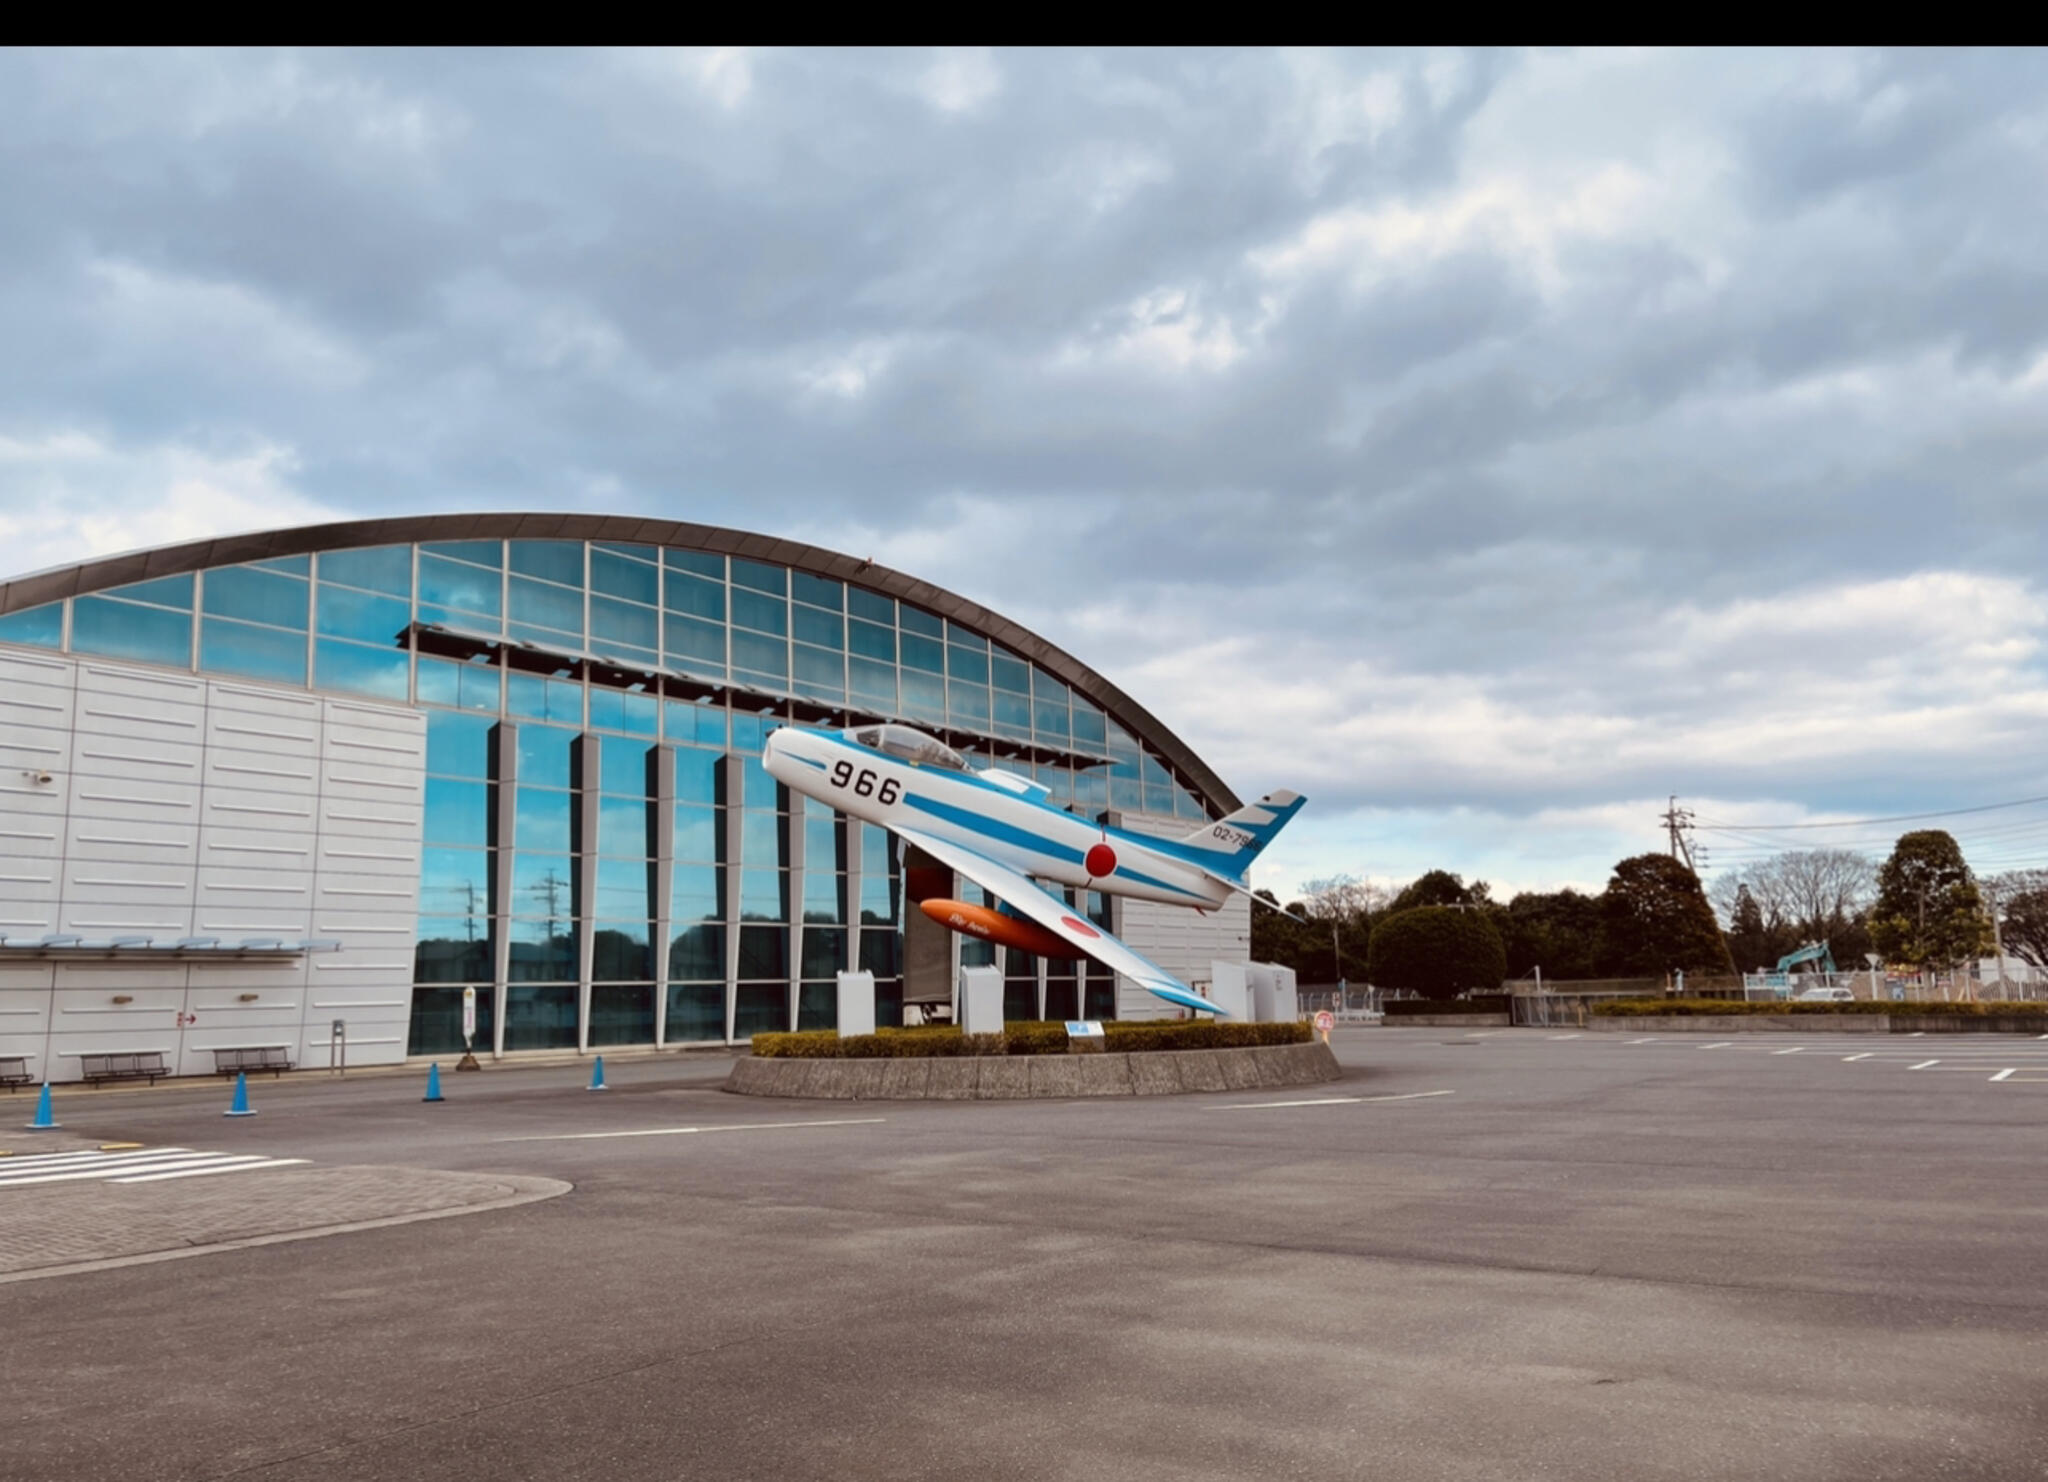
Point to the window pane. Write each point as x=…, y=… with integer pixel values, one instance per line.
x=539, y=1018
x=871, y=641
x=881, y=953
x=701, y=562
x=551, y=560
x=344, y=614
x=624, y=766
x=536, y=697
x=825, y=629
x=697, y=834
x=819, y=673
x=545, y=754
x=165, y=591
x=479, y=552
x=542, y=889
x=620, y=950
x=619, y=577
x=262, y=653
x=824, y=951
x=256, y=596
x=624, y=889
x=966, y=638
x=692, y=724
x=968, y=704
x=926, y=654
x=764, y=952
x=448, y=584
x=363, y=671
x=456, y=950
x=965, y=663
x=761, y=578
x=697, y=776
x=559, y=608
x=696, y=893
x=764, y=895
x=1049, y=719
x=457, y=812
x=455, y=882
x=824, y=844
x=762, y=837
x=696, y=1011
x=123, y=630
x=465, y=686
x=612, y=621
x=824, y=900
x=41, y=626
x=622, y=827
x=873, y=682
x=622, y=1014
x=1088, y=725
x=687, y=594
x=1009, y=673
x=624, y=710
x=760, y=790
x=765, y=656
x=871, y=605
x=916, y=620
x=924, y=697
x=542, y=823
x=459, y=745
x=694, y=645
x=763, y=614
x=377, y=568
x=698, y=951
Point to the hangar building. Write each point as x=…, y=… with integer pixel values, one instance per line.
x=263, y=790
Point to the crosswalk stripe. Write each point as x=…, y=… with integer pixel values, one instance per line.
x=66, y=1160
x=76, y=1175
x=235, y=1167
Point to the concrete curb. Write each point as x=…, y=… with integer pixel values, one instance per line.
x=1040, y=1077
x=1824, y=1023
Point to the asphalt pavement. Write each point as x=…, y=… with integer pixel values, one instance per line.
x=1512, y=1255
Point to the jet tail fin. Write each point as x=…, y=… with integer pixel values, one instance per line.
x=1227, y=847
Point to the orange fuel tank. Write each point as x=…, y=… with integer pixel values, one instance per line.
x=993, y=926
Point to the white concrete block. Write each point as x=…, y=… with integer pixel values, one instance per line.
x=981, y=1000
x=856, y=1003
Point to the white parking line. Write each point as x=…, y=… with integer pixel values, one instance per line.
x=1923, y=1065
x=1651, y=1039
x=1327, y=1101
x=1864, y=1056
x=1793, y=1051
x=1719, y=1044
x=1564, y=1036
x=686, y=1131
x=237, y=1165
x=2004, y=1073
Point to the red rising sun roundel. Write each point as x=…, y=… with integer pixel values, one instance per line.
x=1081, y=926
x=1100, y=861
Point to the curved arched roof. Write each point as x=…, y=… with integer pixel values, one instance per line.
x=171, y=560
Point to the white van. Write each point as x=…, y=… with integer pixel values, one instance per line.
x=1824, y=995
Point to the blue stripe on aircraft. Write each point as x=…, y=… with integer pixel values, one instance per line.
x=1011, y=833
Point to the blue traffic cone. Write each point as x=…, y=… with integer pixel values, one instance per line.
x=241, y=1107
x=597, y=1076
x=433, y=1084
x=44, y=1122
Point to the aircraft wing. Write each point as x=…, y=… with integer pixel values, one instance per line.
x=1089, y=940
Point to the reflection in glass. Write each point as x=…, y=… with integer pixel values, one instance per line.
x=926, y=654
x=881, y=952
x=453, y=949
x=703, y=599
x=459, y=745
x=41, y=627
x=696, y=1011
x=557, y=608
x=766, y=657
x=543, y=955
x=824, y=840
x=536, y=697
x=465, y=686
x=698, y=836
x=362, y=671
x=620, y=952
x=697, y=893
x=551, y=560
x=817, y=1006
x=625, y=827
x=261, y=653
x=437, y=1021
x=447, y=584
x=624, y=888
x=164, y=591
x=697, y=952
x=457, y=812
x=546, y=756
x=339, y=613
x=764, y=895
x=542, y=822
x=624, y=710
x=760, y=577
x=379, y=568
x=761, y=790
x=824, y=629
x=123, y=630
x=871, y=605
x=824, y=951
x=761, y=614
x=759, y=1008
x=824, y=898
x=689, y=724
x=455, y=882
x=704, y=563
x=256, y=597
x=481, y=552
x=763, y=839
x=538, y=1018
x=625, y=769
x=764, y=952
x=694, y=646
x=622, y=1014
x=617, y=576
x=615, y=622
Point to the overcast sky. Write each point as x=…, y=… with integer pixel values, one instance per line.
x=1485, y=445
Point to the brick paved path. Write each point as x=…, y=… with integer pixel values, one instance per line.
x=49, y=1227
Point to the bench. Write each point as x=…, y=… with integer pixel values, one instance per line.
x=273, y=1058
x=14, y=1071
x=134, y=1066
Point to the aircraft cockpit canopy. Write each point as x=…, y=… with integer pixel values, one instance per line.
x=910, y=744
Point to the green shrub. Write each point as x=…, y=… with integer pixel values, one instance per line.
x=1023, y=1038
x=1436, y=951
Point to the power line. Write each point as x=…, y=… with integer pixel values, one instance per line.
x=1896, y=818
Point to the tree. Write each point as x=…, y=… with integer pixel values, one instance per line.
x=1928, y=912
x=1801, y=896
x=2019, y=898
x=1749, y=940
x=1656, y=919
x=1441, y=888
x=1558, y=931
x=1436, y=951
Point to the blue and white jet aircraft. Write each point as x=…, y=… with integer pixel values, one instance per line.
x=998, y=830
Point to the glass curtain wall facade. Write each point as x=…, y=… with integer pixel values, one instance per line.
x=605, y=859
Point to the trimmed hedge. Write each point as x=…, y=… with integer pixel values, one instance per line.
x=1024, y=1038
x=1630, y=1008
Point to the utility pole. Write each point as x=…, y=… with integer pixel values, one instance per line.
x=1677, y=822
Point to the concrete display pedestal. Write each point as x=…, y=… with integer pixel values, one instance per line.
x=1017, y=1077
x=856, y=1004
